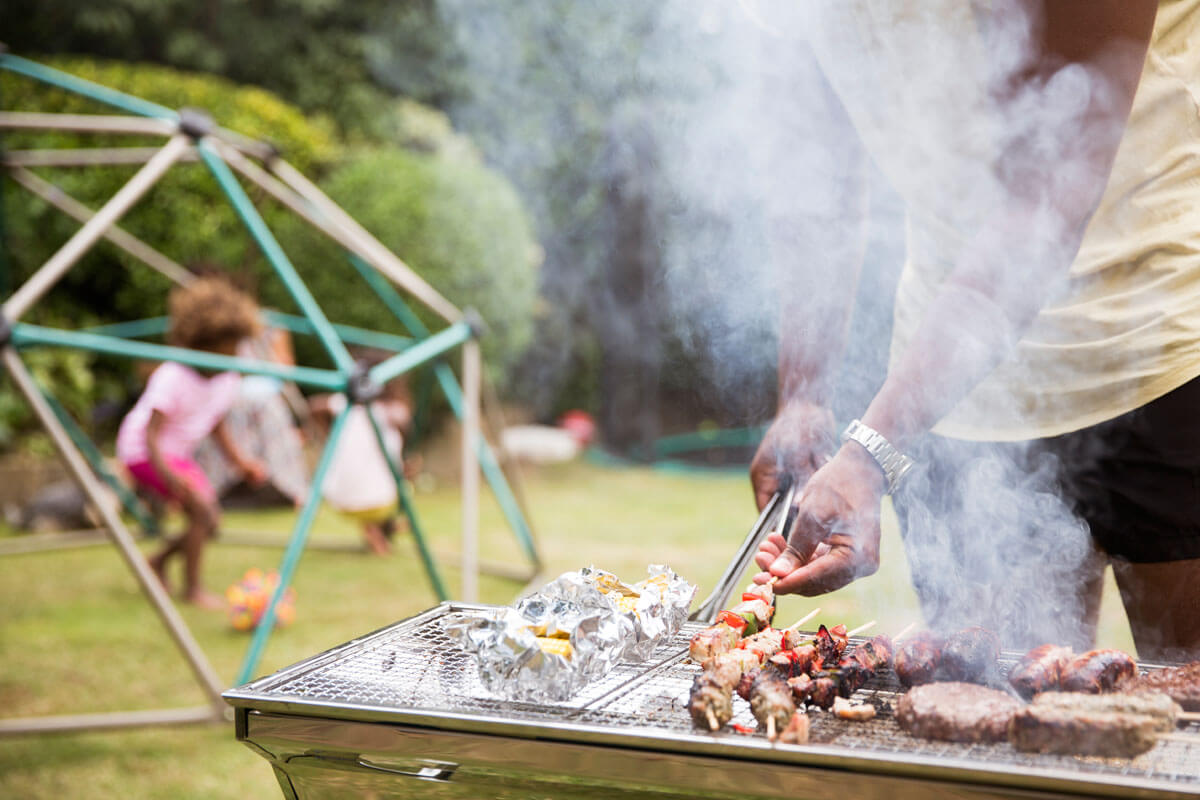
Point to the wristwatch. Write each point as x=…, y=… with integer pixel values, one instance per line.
x=895, y=465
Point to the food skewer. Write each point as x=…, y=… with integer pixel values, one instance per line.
x=866, y=626
x=904, y=632
x=795, y=626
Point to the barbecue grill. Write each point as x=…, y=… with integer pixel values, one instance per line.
x=401, y=712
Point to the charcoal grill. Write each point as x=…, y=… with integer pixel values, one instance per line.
x=401, y=713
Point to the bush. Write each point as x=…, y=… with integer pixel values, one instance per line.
x=458, y=224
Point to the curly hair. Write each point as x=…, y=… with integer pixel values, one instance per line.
x=210, y=312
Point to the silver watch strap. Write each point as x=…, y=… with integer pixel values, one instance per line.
x=893, y=463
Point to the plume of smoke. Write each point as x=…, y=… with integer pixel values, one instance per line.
x=725, y=93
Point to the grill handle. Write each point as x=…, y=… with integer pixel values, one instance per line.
x=712, y=605
x=432, y=771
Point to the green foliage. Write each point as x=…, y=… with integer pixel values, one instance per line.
x=312, y=52
x=458, y=224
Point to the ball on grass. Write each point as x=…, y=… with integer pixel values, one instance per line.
x=248, y=599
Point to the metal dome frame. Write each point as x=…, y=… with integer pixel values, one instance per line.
x=192, y=135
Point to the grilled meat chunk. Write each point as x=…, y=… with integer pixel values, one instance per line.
x=956, y=712
x=824, y=690
x=713, y=641
x=874, y=654
x=1182, y=684
x=1117, y=725
x=745, y=684
x=801, y=686
x=769, y=642
x=858, y=712
x=726, y=669
x=970, y=655
x=1040, y=670
x=1098, y=671
x=790, y=663
x=917, y=659
x=831, y=643
x=710, y=698
x=850, y=676
x=771, y=698
x=796, y=731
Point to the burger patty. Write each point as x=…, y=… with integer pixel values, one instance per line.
x=1069, y=723
x=956, y=712
x=1181, y=684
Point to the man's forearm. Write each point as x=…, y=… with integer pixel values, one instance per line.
x=1047, y=185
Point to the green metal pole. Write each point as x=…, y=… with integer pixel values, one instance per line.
x=409, y=510
x=348, y=333
x=291, y=556
x=24, y=335
x=391, y=298
x=133, y=329
x=423, y=351
x=93, y=91
x=449, y=384
x=129, y=500
x=275, y=255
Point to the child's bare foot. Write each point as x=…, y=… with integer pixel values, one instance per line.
x=202, y=598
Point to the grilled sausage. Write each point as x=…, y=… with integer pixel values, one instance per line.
x=970, y=655
x=1040, y=670
x=1098, y=671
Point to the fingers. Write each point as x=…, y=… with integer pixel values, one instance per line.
x=769, y=550
x=833, y=566
x=823, y=574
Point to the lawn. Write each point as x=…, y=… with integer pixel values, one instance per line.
x=76, y=635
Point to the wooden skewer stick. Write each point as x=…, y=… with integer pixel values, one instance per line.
x=865, y=626
x=904, y=632
x=1190, y=738
x=771, y=728
x=712, y=719
x=1188, y=716
x=796, y=625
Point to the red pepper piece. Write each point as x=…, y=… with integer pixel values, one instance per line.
x=742, y=728
x=733, y=620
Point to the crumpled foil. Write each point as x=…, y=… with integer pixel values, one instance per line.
x=606, y=620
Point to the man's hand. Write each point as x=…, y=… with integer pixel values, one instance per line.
x=836, y=536
x=798, y=442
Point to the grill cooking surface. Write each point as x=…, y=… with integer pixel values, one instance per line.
x=411, y=673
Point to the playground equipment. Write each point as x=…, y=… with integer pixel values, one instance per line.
x=192, y=135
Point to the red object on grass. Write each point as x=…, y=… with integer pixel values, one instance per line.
x=579, y=424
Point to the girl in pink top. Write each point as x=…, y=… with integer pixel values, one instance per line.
x=181, y=406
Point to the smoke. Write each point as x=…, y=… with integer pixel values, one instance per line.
x=713, y=117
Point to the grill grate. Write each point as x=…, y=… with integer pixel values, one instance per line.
x=414, y=666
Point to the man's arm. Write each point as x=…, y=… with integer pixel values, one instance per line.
x=1053, y=178
x=817, y=210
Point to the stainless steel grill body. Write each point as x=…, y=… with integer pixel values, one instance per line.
x=401, y=713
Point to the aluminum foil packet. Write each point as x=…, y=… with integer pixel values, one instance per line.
x=574, y=629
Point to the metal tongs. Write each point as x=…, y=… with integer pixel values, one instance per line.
x=779, y=514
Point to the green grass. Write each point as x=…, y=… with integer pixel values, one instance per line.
x=76, y=635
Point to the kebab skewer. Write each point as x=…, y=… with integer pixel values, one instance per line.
x=747, y=618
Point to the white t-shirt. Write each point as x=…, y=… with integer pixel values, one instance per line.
x=359, y=478
x=191, y=403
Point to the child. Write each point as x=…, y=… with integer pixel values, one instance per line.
x=359, y=482
x=178, y=408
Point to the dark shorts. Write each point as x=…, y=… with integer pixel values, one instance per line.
x=1012, y=526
